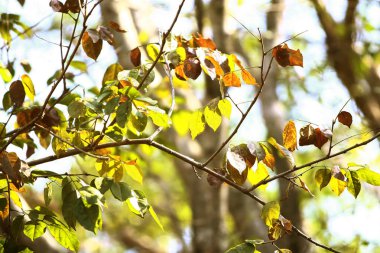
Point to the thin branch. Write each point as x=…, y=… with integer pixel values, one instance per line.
x=164, y=37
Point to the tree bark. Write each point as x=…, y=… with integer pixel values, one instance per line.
x=362, y=82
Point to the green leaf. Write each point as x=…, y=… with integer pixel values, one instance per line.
x=139, y=121
x=80, y=65
x=111, y=105
x=48, y=192
x=121, y=191
x=111, y=72
x=158, y=116
x=64, y=236
x=7, y=101
x=76, y=109
x=138, y=204
x=17, y=226
x=245, y=247
x=28, y=86
x=369, y=176
x=134, y=172
x=270, y=213
x=102, y=184
x=196, y=123
x=353, y=184
x=34, y=229
x=322, y=177
x=91, y=196
x=69, y=200
x=155, y=217
x=225, y=107
x=122, y=113
x=213, y=116
x=89, y=217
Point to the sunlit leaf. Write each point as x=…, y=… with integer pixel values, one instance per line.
x=322, y=177
x=80, y=65
x=369, y=176
x=261, y=173
x=134, y=171
x=199, y=41
x=34, y=229
x=320, y=138
x=269, y=159
x=106, y=34
x=289, y=136
x=270, y=213
x=196, y=123
x=192, y=68
x=231, y=79
x=5, y=74
x=345, y=118
x=213, y=115
x=307, y=135
x=181, y=122
x=225, y=107
x=155, y=217
x=337, y=186
x=64, y=236
x=28, y=86
x=158, y=116
x=48, y=192
x=111, y=72
x=247, y=77
x=153, y=51
x=337, y=173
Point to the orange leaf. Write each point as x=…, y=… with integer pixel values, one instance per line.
x=92, y=46
x=5, y=208
x=289, y=136
x=179, y=72
x=247, y=77
x=199, y=41
x=136, y=57
x=231, y=79
x=345, y=118
x=286, y=56
x=211, y=62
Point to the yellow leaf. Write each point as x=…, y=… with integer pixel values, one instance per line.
x=134, y=172
x=269, y=158
x=28, y=86
x=289, y=136
x=337, y=186
x=260, y=174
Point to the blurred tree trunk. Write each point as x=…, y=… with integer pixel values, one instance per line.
x=360, y=78
x=275, y=120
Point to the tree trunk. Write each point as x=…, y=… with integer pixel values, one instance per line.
x=362, y=81
x=274, y=117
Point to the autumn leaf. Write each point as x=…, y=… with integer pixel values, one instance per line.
x=307, y=135
x=320, y=138
x=116, y=27
x=136, y=56
x=345, y=118
x=231, y=79
x=92, y=44
x=199, y=41
x=17, y=93
x=192, y=68
x=286, y=56
x=180, y=73
x=106, y=34
x=289, y=136
x=247, y=77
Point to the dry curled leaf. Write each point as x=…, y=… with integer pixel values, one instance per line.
x=136, y=56
x=192, y=68
x=286, y=56
x=115, y=26
x=289, y=136
x=92, y=44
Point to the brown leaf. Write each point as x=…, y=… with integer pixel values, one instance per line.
x=106, y=34
x=337, y=173
x=115, y=26
x=192, y=68
x=10, y=165
x=289, y=136
x=307, y=135
x=73, y=5
x=286, y=56
x=231, y=79
x=199, y=41
x=136, y=56
x=58, y=6
x=286, y=224
x=17, y=93
x=320, y=138
x=92, y=44
x=345, y=118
